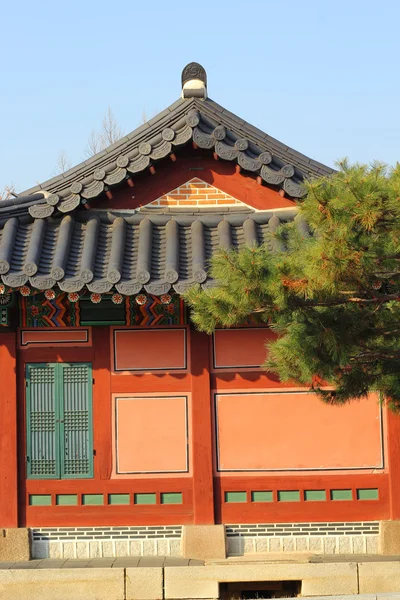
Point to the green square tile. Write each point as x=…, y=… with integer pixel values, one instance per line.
x=171, y=498
x=118, y=499
x=341, y=495
x=262, y=497
x=315, y=495
x=39, y=500
x=144, y=498
x=93, y=499
x=289, y=496
x=368, y=494
x=235, y=497
x=66, y=499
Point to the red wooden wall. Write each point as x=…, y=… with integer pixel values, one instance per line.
x=203, y=489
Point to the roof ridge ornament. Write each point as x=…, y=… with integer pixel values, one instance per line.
x=194, y=81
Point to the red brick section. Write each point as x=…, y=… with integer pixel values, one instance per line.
x=195, y=193
x=8, y=432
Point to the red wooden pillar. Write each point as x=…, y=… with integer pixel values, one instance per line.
x=8, y=431
x=102, y=403
x=203, y=494
x=393, y=442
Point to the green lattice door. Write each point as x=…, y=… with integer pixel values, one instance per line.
x=59, y=421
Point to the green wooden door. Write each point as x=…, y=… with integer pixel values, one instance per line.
x=76, y=452
x=42, y=414
x=59, y=421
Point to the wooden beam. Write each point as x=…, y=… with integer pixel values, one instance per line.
x=195, y=146
x=173, y=157
x=129, y=181
x=152, y=169
x=259, y=180
x=109, y=195
x=238, y=168
x=215, y=156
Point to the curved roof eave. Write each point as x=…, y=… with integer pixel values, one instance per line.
x=201, y=121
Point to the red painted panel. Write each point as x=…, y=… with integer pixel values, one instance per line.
x=55, y=337
x=150, y=349
x=240, y=348
x=151, y=434
x=281, y=431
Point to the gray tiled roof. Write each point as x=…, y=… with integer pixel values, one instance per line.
x=125, y=250
x=203, y=122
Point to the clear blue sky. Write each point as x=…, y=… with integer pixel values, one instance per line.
x=321, y=76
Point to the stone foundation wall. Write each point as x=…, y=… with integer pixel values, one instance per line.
x=321, y=538
x=99, y=542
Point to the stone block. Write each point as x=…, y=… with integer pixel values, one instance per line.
x=379, y=577
x=175, y=547
x=372, y=544
x=234, y=546
x=94, y=550
x=316, y=544
x=82, y=549
x=122, y=548
x=107, y=549
x=204, y=542
x=389, y=537
x=330, y=546
x=261, y=544
x=69, y=550
x=68, y=584
x=40, y=549
x=275, y=544
x=144, y=583
x=345, y=544
x=135, y=548
x=162, y=548
x=301, y=543
x=317, y=579
x=149, y=548
x=359, y=544
x=14, y=544
x=288, y=544
x=55, y=550
x=249, y=545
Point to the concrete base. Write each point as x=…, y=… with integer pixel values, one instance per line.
x=317, y=579
x=68, y=584
x=14, y=545
x=389, y=537
x=204, y=542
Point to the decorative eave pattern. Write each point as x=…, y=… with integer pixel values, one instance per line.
x=203, y=122
x=125, y=251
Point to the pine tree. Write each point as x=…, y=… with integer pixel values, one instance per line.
x=332, y=296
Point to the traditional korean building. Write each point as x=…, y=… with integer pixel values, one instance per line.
x=122, y=428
